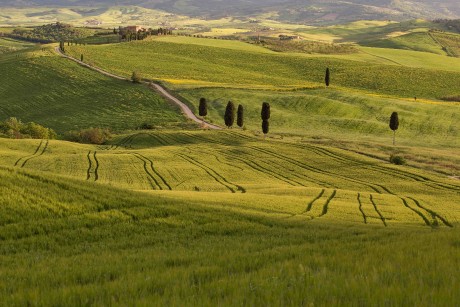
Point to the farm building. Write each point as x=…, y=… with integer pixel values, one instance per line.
x=289, y=37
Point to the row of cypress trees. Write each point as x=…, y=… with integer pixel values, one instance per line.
x=229, y=116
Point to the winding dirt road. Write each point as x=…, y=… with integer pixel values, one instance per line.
x=156, y=87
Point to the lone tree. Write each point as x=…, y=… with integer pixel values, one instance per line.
x=265, y=114
x=265, y=127
x=327, y=79
x=203, y=108
x=136, y=77
x=394, y=124
x=240, y=116
x=229, y=116
x=81, y=58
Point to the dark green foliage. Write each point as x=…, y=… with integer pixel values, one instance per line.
x=81, y=58
x=90, y=136
x=53, y=33
x=265, y=126
x=454, y=98
x=203, y=107
x=240, y=116
x=229, y=116
x=398, y=160
x=136, y=77
x=394, y=124
x=15, y=129
x=265, y=113
x=146, y=126
x=327, y=78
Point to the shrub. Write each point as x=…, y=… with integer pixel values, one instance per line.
x=146, y=126
x=136, y=77
x=90, y=136
x=398, y=160
x=15, y=129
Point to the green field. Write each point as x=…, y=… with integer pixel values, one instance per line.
x=201, y=217
x=311, y=214
x=185, y=64
x=37, y=85
x=8, y=45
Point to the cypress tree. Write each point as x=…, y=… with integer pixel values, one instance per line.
x=240, y=116
x=394, y=124
x=229, y=116
x=203, y=107
x=327, y=79
x=81, y=58
x=265, y=114
x=265, y=126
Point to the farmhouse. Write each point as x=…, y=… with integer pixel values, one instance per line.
x=132, y=29
x=289, y=37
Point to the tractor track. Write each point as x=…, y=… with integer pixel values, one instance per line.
x=361, y=209
x=424, y=218
x=217, y=177
x=155, y=184
x=326, y=204
x=377, y=210
x=149, y=161
x=257, y=167
x=391, y=171
x=322, y=172
x=433, y=214
x=90, y=170
x=310, y=204
x=35, y=155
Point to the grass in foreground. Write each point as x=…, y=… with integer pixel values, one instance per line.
x=66, y=242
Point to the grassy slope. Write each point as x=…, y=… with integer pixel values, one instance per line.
x=69, y=242
x=419, y=41
x=184, y=64
x=330, y=113
x=8, y=45
x=36, y=85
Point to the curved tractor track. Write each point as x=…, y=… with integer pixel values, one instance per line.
x=151, y=85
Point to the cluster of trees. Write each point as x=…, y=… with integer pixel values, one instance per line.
x=129, y=35
x=89, y=136
x=49, y=33
x=450, y=24
x=15, y=129
x=307, y=47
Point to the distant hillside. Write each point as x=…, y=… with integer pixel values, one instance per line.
x=310, y=11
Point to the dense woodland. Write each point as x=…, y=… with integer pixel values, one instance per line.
x=52, y=33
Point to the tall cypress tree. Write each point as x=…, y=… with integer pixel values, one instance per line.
x=229, y=116
x=394, y=124
x=240, y=116
x=265, y=114
x=203, y=108
x=327, y=78
x=265, y=126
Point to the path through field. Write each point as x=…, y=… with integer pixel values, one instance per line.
x=154, y=86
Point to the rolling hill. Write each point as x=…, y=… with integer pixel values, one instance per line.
x=312, y=11
x=310, y=214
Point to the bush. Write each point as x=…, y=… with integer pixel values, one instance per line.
x=89, y=136
x=398, y=160
x=146, y=126
x=15, y=129
x=136, y=77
